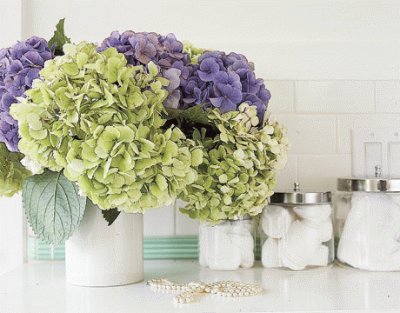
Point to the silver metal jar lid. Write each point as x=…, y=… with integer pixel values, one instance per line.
x=373, y=184
x=299, y=197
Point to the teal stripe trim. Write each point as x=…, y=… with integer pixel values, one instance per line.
x=155, y=248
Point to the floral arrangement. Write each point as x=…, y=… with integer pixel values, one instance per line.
x=131, y=124
x=104, y=123
x=223, y=109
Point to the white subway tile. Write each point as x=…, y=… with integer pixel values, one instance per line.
x=10, y=22
x=321, y=60
x=348, y=122
x=388, y=96
x=310, y=134
x=288, y=176
x=320, y=172
x=268, y=20
x=282, y=96
x=310, y=40
x=335, y=96
x=160, y=221
x=184, y=225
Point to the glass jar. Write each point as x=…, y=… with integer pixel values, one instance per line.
x=228, y=245
x=367, y=222
x=297, y=230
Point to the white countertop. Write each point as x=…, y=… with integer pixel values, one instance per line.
x=41, y=288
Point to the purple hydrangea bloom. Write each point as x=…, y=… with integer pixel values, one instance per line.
x=224, y=81
x=209, y=69
x=195, y=92
x=219, y=80
x=165, y=51
x=19, y=66
x=227, y=91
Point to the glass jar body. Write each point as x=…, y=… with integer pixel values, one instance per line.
x=297, y=237
x=367, y=227
x=228, y=245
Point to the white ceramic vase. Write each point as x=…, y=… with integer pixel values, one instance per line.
x=102, y=255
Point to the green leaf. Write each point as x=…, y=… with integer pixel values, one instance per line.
x=12, y=172
x=59, y=38
x=52, y=206
x=110, y=215
x=196, y=115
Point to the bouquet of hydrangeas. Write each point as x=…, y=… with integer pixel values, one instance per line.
x=131, y=125
x=91, y=125
x=223, y=109
x=219, y=103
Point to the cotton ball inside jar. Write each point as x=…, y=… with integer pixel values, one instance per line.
x=276, y=221
x=325, y=229
x=243, y=240
x=316, y=213
x=271, y=256
x=223, y=254
x=300, y=245
x=375, y=218
x=320, y=257
x=247, y=258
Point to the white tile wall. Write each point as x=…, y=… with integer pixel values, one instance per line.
x=288, y=176
x=310, y=134
x=10, y=21
x=388, y=96
x=12, y=217
x=330, y=66
x=335, y=96
x=322, y=60
x=185, y=226
x=169, y=221
x=282, y=93
x=160, y=221
x=321, y=171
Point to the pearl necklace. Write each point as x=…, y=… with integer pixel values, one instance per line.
x=221, y=288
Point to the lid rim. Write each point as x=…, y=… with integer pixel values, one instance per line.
x=377, y=184
x=299, y=198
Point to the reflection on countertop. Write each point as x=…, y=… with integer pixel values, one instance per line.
x=41, y=288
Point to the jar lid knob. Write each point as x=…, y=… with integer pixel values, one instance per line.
x=296, y=186
x=378, y=171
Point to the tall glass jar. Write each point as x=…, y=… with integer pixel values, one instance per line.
x=367, y=222
x=228, y=245
x=297, y=230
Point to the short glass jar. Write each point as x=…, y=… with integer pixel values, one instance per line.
x=228, y=245
x=298, y=230
x=367, y=223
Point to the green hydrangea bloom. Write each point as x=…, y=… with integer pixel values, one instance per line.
x=239, y=168
x=193, y=52
x=100, y=121
x=12, y=172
